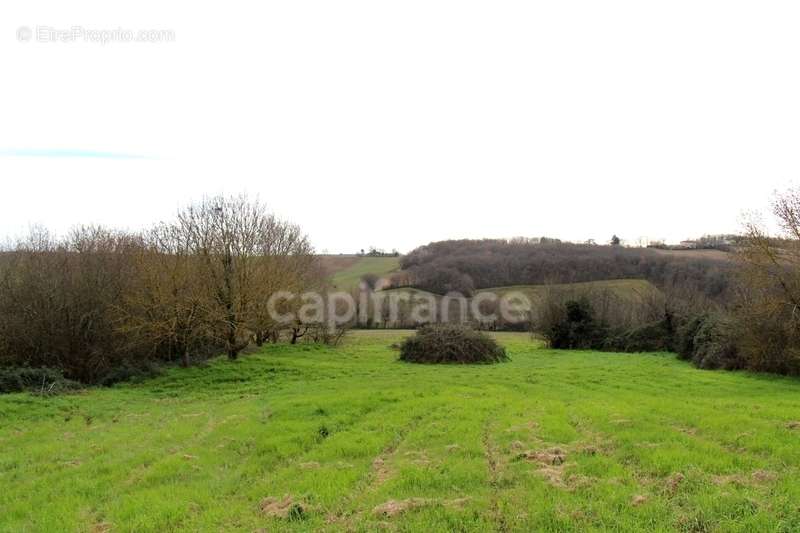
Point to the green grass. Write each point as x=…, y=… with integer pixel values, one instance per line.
x=344, y=430
x=626, y=288
x=349, y=277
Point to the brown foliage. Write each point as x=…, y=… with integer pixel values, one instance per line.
x=98, y=301
x=768, y=310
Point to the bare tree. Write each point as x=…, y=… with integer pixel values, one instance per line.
x=169, y=307
x=225, y=235
x=287, y=263
x=245, y=254
x=768, y=308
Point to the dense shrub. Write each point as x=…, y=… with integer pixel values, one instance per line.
x=708, y=340
x=451, y=343
x=683, y=341
x=39, y=380
x=573, y=326
x=714, y=344
x=134, y=371
x=769, y=339
x=652, y=337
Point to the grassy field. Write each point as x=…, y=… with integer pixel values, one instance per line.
x=348, y=277
x=626, y=288
x=306, y=437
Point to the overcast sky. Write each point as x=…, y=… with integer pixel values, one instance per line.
x=394, y=124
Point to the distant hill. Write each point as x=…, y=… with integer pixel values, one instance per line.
x=625, y=289
x=346, y=271
x=467, y=266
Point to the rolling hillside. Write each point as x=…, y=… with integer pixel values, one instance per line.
x=347, y=271
x=626, y=289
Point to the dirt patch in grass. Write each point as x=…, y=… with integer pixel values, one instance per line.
x=517, y=445
x=380, y=471
x=588, y=449
x=285, y=507
x=764, y=476
x=551, y=457
x=795, y=424
x=551, y=464
x=638, y=500
x=553, y=475
x=396, y=507
x=419, y=458
x=673, y=482
x=759, y=477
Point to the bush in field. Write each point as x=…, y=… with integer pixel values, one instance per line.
x=573, y=326
x=683, y=343
x=39, y=380
x=653, y=337
x=709, y=341
x=714, y=345
x=451, y=343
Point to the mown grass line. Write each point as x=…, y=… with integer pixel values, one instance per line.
x=493, y=473
x=351, y=505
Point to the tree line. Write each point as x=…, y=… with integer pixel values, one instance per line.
x=467, y=265
x=99, y=304
x=755, y=327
